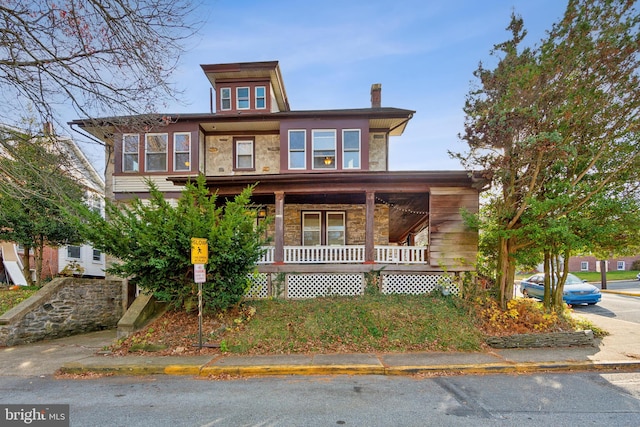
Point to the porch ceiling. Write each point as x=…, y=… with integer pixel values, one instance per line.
x=408, y=212
x=405, y=192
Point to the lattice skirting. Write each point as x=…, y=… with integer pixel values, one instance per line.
x=418, y=284
x=260, y=285
x=315, y=285
x=311, y=285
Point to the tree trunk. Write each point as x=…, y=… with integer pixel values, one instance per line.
x=26, y=266
x=506, y=270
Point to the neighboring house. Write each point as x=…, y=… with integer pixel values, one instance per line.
x=322, y=174
x=591, y=263
x=91, y=262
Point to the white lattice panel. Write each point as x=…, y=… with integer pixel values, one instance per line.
x=259, y=287
x=417, y=283
x=315, y=285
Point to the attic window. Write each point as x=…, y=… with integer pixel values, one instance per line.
x=242, y=98
x=225, y=98
x=261, y=98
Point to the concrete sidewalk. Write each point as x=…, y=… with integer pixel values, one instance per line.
x=618, y=351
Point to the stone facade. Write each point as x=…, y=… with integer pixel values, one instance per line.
x=378, y=152
x=355, y=219
x=219, y=155
x=63, y=307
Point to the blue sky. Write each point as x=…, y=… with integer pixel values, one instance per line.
x=330, y=52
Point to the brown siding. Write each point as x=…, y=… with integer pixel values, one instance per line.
x=452, y=243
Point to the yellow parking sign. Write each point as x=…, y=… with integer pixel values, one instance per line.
x=199, y=251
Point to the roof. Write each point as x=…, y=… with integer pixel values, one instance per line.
x=250, y=70
x=393, y=120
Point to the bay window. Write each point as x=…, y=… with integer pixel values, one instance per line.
x=182, y=151
x=297, y=149
x=324, y=149
x=351, y=149
x=156, y=152
x=130, y=152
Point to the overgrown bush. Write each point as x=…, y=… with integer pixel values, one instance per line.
x=152, y=241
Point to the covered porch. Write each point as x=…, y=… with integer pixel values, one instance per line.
x=338, y=232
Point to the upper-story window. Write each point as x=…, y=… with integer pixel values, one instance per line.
x=225, y=98
x=182, y=151
x=156, y=152
x=351, y=149
x=242, y=98
x=261, y=97
x=130, y=152
x=297, y=151
x=244, y=154
x=324, y=149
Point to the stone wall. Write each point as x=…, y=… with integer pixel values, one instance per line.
x=63, y=307
x=553, y=339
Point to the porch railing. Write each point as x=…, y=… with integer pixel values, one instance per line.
x=347, y=254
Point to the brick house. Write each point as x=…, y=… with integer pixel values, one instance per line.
x=322, y=174
x=591, y=263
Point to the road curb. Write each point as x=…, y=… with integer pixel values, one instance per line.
x=631, y=294
x=287, y=370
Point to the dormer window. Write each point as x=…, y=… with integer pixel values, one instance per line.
x=261, y=98
x=242, y=98
x=225, y=98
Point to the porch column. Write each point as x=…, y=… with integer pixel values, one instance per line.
x=369, y=236
x=278, y=256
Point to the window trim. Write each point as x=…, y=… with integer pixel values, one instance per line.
x=304, y=149
x=324, y=225
x=359, y=150
x=93, y=255
x=236, y=166
x=224, y=98
x=176, y=152
x=304, y=214
x=69, y=256
x=242, y=99
x=263, y=97
x=313, y=149
x=146, y=151
x=621, y=264
x=584, y=265
x=344, y=227
x=125, y=153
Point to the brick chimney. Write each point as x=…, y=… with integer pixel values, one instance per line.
x=376, y=95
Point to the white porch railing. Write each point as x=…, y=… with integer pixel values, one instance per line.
x=401, y=254
x=347, y=254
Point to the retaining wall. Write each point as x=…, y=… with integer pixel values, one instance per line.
x=63, y=307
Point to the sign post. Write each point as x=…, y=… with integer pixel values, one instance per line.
x=199, y=257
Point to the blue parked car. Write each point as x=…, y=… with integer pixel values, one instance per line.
x=576, y=291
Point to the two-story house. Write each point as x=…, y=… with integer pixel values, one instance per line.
x=83, y=260
x=322, y=174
